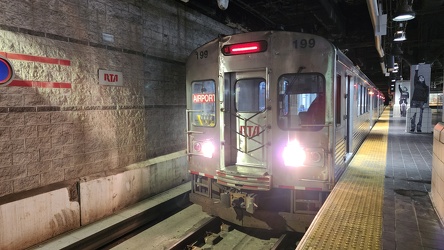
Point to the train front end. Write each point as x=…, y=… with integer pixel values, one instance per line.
x=259, y=128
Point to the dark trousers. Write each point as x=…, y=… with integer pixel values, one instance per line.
x=416, y=104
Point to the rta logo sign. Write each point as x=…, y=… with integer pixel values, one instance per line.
x=249, y=131
x=111, y=77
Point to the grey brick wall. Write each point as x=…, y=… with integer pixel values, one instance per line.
x=56, y=122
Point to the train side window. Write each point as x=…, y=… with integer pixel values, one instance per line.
x=250, y=95
x=301, y=101
x=338, y=99
x=364, y=99
x=359, y=100
x=368, y=100
x=203, y=106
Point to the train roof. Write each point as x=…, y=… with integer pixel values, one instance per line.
x=341, y=56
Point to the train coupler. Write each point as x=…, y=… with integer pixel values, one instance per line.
x=240, y=200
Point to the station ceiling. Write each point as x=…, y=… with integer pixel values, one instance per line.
x=348, y=25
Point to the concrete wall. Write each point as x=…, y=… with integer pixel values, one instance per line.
x=34, y=218
x=60, y=127
x=103, y=196
x=31, y=220
x=437, y=194
x=56, y=122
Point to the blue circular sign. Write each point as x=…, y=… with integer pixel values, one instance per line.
x=6, y=72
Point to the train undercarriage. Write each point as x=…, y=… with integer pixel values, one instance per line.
x=274, y=209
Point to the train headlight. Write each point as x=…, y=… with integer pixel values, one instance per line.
x=208, y=149
x=197, y=147
x=294, y=155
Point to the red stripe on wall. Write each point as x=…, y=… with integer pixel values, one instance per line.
x=24, y=83
x=41, y=59
x=44, y=84
x=64, y=62
x=20, y=83
x=62, y=85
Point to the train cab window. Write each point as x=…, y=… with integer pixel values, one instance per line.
x=301, y=101
x=203, y=106
x=250, y=95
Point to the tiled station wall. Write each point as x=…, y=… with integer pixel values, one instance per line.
x=437, y=193
x=59, y=126
x=56, y=122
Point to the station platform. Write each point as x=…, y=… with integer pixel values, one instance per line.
x=382, y=200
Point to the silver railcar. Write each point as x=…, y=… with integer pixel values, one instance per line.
x=273, y=119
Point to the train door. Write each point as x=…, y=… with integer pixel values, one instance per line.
x=340, y=116
x=349, y=100
x=245, y=122
x=372, y=107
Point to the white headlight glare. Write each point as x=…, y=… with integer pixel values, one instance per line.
x=294, y=154
x=208, y=149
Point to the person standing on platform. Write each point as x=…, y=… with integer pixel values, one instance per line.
x=403, y=100
x=419, y=100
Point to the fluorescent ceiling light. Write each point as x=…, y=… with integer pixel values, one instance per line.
x=399, y=36
x=404, y=12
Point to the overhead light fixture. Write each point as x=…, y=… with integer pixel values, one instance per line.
x=223, y=4
x=399, y=36
x=395, y=68
x=404, y=12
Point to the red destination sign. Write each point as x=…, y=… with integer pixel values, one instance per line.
x=203, y=98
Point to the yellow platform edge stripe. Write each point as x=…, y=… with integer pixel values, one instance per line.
x=351, y=217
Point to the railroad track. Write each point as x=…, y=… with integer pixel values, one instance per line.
x=192, y=229
x=173, y=223
x=215, y=234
